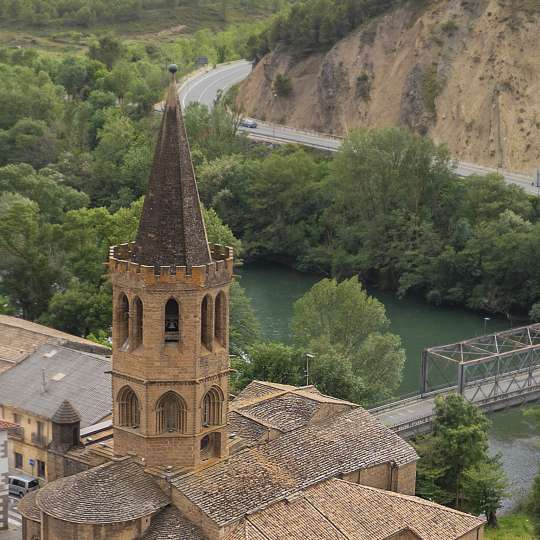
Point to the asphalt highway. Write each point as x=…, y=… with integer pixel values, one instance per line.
x=204, y=86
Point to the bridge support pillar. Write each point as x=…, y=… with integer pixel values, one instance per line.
x=424, y=374
x=461, y=379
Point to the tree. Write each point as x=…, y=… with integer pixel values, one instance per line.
x=30, y=266
x=484, y=486
x=81, y=309
x=73, y=76
x=341, y=321
x=282, y=85
x=107, y=50
x=459, y=442
x=533, y=503
x=276, y=362
x=244, y=328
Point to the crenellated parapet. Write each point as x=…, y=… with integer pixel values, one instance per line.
x=220, y=269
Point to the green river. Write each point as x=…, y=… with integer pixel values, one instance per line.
x=273, y=290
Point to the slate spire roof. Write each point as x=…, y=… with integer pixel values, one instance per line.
x=171, y=229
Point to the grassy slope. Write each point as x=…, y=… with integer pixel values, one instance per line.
x=512, y=527
x=166, y=24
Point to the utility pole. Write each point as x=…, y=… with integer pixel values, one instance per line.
x=308, y=357
x=486, y=319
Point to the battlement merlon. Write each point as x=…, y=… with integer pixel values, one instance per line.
x=220, y=267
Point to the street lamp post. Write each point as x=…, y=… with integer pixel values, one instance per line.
x=486, y=319
x=309, y=357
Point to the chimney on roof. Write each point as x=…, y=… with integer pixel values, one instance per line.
x=171, y=230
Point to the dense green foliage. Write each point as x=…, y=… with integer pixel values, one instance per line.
x=76, y=142
x=317, y=24
x=345, y=333
x=390, y=209
x=455, y=467
x=533, y=503
x=86, y=13
x=512, y=527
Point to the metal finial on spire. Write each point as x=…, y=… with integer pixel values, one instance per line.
x=173, y=68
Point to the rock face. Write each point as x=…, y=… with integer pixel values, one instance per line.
x=465, y=72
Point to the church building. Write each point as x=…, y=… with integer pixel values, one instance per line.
x=188, y=463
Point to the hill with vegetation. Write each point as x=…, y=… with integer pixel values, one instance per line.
x=61, y=26
x=465, y=73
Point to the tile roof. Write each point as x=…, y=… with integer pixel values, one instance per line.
x=250, y=430
x=340, y=510
x=259, y=389
x=28, y=508
x=19, y=338
x=264, y=406
x=365, y=513
x=285, y=412
x=4, y=424
x=114, y=492
x=76, y=376
x=169, y=524
x=258, y=476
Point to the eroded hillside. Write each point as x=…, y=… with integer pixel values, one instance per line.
x=465, y=72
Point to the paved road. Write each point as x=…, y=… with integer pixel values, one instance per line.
x=410, y=410
x=203, y=87
x=14, y=518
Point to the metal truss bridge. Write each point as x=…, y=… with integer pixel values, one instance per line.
x=493, y=371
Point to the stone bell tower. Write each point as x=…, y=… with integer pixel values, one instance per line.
x=171, y=318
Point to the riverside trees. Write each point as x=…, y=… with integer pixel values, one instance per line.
x=455, y=467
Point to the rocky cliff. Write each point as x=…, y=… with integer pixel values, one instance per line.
x=466, y=72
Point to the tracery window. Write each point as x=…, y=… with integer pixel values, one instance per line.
x=171, y=413
x=213, y=407
x=128, y=408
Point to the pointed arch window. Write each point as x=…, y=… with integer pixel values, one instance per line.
x=207, y=331
x=213, y=407
x=220, y=318
x=172, y=321
x=138, y=323
x=171, y=413
x=122, y=319
x=128, y=408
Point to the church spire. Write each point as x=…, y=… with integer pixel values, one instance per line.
x=171, y=230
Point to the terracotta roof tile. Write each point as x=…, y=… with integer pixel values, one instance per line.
x=110, y=493
x=247, y=428
x=286, y=412
x=339, y=510
x=169, y=524
x=258, y=476
x=28, y=508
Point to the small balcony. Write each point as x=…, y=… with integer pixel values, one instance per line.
x=17, y=433
x=39, y=440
